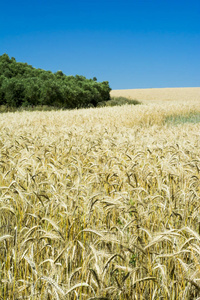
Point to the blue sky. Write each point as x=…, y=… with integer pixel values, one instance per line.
x=131, y=44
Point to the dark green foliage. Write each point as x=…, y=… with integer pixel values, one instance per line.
x=118, y=101
x=21, y=85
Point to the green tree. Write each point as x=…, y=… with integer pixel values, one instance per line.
x=21, y=84
x=13, y=90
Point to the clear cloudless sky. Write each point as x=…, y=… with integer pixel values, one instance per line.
x=131, y=44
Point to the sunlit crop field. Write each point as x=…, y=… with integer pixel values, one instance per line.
x=163, y=94
x=101, y=203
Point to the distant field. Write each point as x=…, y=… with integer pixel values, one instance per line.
x=164, y=94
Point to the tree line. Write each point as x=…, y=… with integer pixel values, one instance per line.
x=23, y=85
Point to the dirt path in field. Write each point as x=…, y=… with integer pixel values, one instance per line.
x=162, y=94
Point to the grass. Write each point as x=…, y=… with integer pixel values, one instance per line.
x=119, y=101
x=100, y=204
x=115, y=101
x=4, y=108
x=181, y=119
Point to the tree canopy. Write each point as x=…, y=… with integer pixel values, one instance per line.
x=23, y=85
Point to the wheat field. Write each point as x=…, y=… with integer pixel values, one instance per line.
x=100, y=203
x=162, y=94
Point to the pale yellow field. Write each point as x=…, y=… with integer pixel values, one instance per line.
x=100, y=204
x=162, y=94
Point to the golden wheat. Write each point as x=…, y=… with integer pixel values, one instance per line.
x=100, y=204
x=160, y=94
